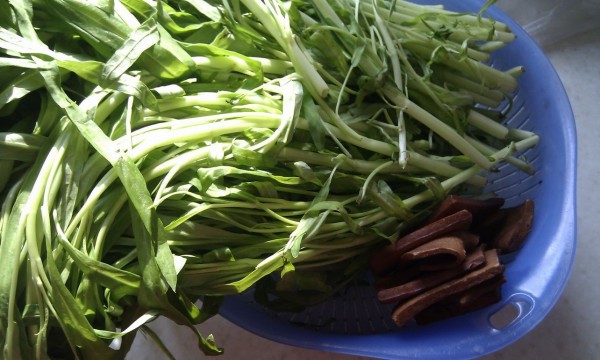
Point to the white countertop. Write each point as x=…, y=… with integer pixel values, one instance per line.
x=571, y=329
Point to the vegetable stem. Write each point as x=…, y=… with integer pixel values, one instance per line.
x=437, y=126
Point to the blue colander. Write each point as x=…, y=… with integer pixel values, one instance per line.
x=536, y=274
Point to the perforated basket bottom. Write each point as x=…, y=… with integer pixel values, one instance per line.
x=509, y=183
x=353, y=311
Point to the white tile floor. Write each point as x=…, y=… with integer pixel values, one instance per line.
x=569, y=332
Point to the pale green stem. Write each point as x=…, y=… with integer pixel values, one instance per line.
x=437, y=126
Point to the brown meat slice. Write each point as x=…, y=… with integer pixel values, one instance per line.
x=454, y=203
x=475, y=298
x=442, y=253
x=458, y=221
x=384, y=260
x=397, y=278
x=516, y=225
x=469, y=239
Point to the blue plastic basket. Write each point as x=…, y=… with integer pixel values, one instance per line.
x=536, y=274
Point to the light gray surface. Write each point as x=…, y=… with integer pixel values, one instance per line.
x=569, y=332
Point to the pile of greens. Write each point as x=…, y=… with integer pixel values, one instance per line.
x=158, y=153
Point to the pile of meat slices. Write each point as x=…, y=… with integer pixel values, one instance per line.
x=451, y=265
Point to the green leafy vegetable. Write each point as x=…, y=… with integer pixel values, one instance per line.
x=158, y=156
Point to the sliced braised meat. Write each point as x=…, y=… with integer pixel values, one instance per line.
x=405, y=311
x=430, y=280
x=454, y=203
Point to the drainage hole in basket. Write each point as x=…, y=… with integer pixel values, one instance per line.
x=516, y=308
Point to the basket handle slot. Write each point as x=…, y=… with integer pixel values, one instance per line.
x=514, y=309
